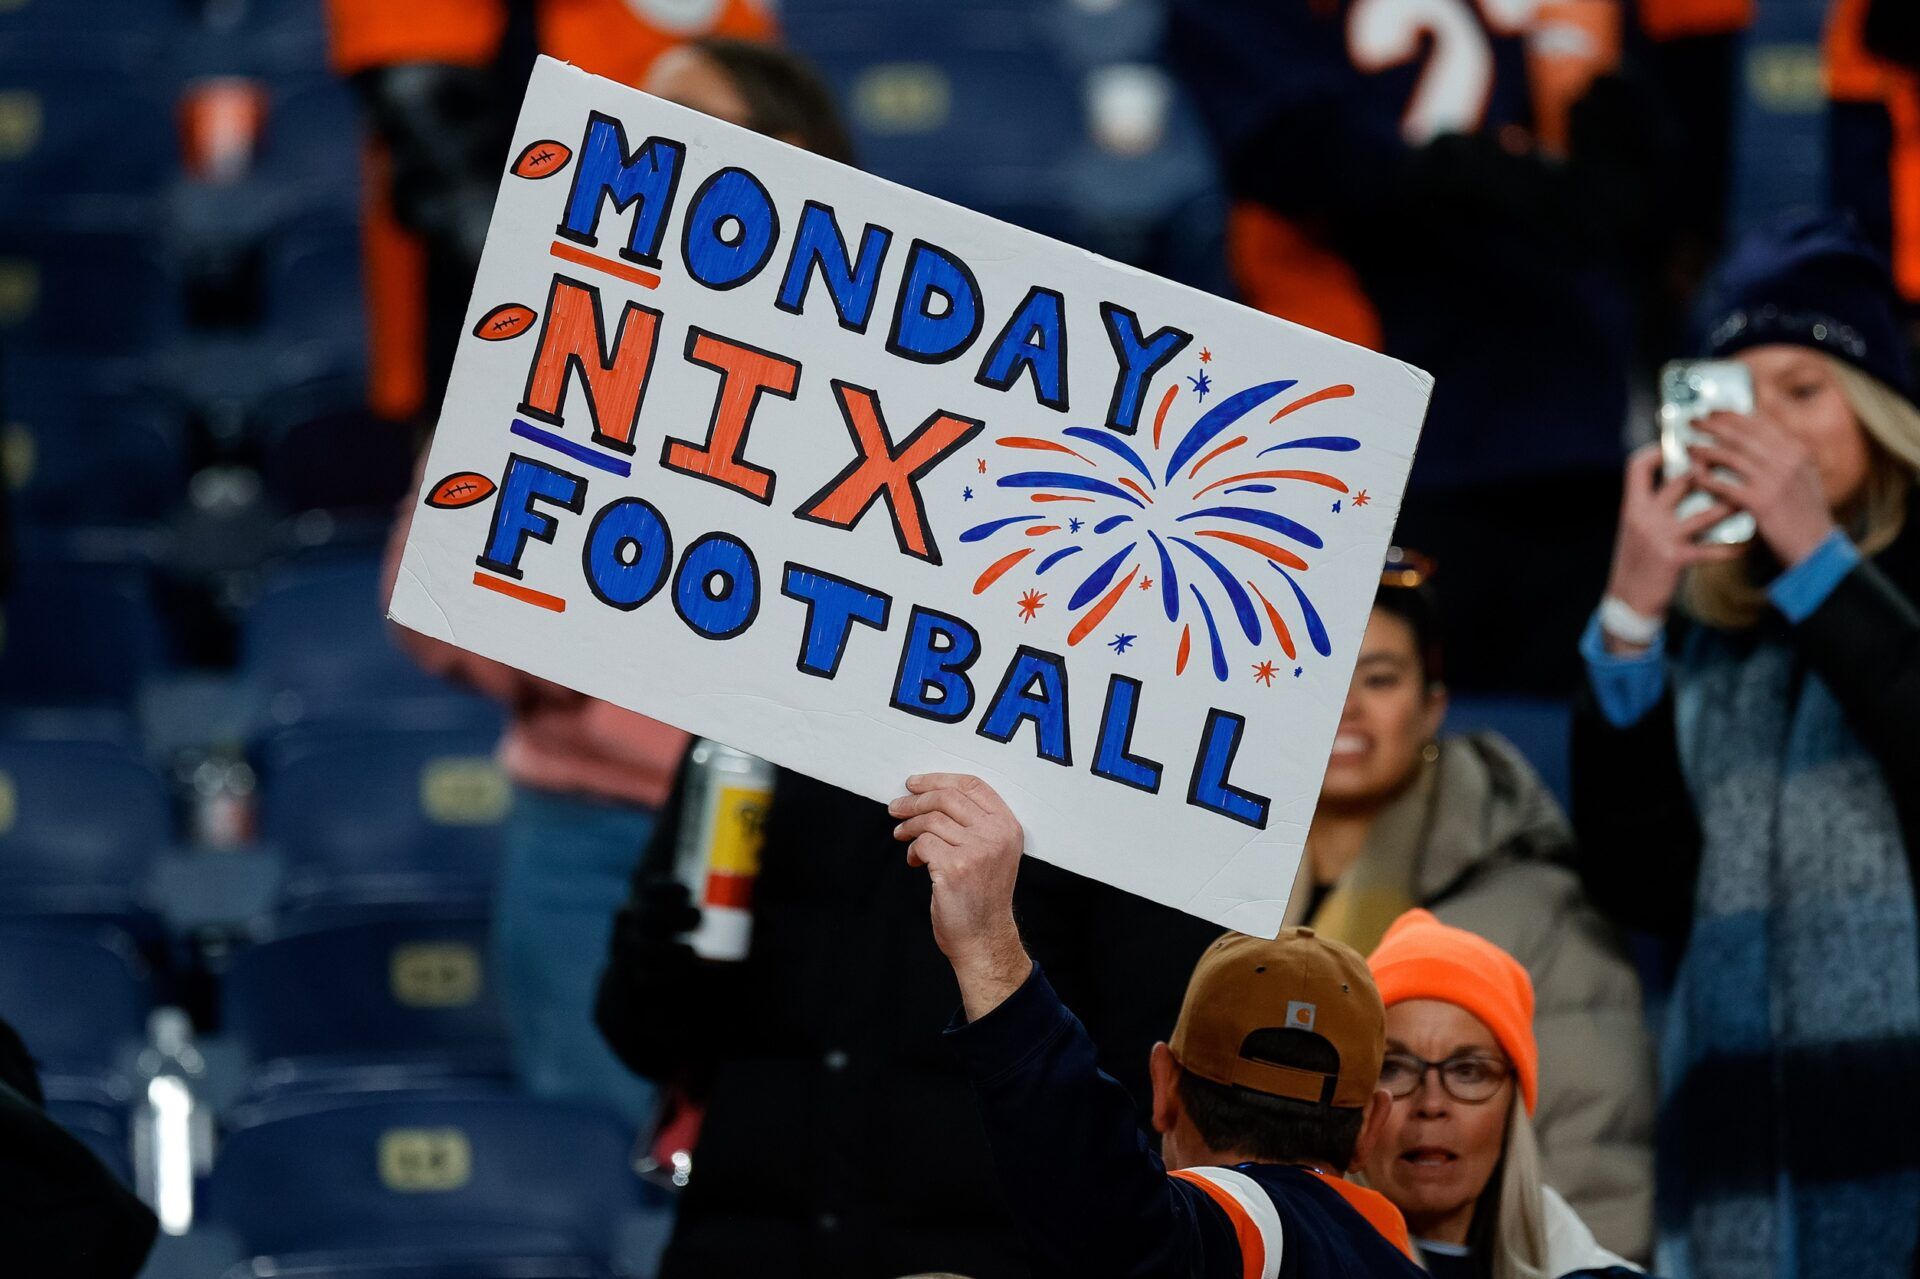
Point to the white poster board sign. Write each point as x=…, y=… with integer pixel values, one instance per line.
x=870, y=485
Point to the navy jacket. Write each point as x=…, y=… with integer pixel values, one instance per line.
x=1095, y=1200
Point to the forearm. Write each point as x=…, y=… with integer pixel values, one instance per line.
x=1079, y=1175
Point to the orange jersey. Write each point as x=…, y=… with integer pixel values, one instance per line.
x=1856, y=77
x=614, y=38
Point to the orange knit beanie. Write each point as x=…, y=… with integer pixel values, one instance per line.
x=1422, y=958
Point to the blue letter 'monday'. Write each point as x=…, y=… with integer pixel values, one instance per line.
x=721, y=258
x=604, y=169
x=919, y=332
x=1035, y=338
x=1139, y=361
x=852, y=285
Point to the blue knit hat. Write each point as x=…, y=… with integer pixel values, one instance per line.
x=1809, y=279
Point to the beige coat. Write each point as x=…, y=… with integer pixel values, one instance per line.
x=1479, y=841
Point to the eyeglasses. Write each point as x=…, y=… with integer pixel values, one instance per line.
x=1471, y=1079
x=1406, y=568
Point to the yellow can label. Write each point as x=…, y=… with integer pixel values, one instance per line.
x=739, y=828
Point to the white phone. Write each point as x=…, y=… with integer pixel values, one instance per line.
x=1691, y=390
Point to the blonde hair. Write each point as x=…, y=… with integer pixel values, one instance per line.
x=1519, y=1242
x=1727, y=595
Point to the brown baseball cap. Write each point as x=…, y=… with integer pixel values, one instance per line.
x=1263, y=1015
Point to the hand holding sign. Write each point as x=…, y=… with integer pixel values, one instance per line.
x=970, y=842
x=863, y=483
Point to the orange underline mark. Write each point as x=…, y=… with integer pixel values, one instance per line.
x=1268, y=549
x=593, y=261
x=1098, y=613
x=1160, y=418
x=1279, y=624
x=1056, y=497
x=1136, y=488
x=1029, y=442
x=525, y=594
x=1339, y=392
x=1311, y=477
x=1229, y=446
x=998, y=569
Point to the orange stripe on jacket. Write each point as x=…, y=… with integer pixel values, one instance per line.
x=1253, y=1248
x=1376, y=1208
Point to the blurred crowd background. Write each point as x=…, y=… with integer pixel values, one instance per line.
x=249, y=850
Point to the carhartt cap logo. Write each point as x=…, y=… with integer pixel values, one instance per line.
x=1300, y=1014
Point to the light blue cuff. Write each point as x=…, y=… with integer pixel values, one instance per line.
x=1800, y=591
x=1626, y=687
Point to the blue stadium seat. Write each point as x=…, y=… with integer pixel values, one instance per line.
x=80, y=24
x=360, y=1266
x=316, y=642
x=316, y=457
x=80, y=824
x=313, y=143
x=927, y=89
x=460, y=1173
x=408, y=994
x=78, y=996
x=313, y=280
x=384, y=813
x=79, y=128
x=101, y=1127
x=92, y=459
x=78, y=634
x=102, y=290
x=1540, y=727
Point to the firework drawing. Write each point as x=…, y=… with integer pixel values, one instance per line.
x=1176, y=515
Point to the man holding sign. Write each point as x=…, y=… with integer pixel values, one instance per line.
x=860, y=482
x=1267, y=1095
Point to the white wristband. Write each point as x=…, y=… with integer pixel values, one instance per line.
x=1628, y=624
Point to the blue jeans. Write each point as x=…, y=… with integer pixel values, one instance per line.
x=568, y=860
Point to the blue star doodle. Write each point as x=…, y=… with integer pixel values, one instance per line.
x=1201, y=385
x=1296, y=672
x=1074, y=523
x=1336, y=506
x=1120, y=643
x=966, y=494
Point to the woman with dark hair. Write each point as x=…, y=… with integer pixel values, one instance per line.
x=1464, y=828
x=1747, y=777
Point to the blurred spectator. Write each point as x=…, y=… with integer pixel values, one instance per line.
x=1491, y=192
x=442, y=81
x=1265, y=1097
x=1873, y=81
x=589, y=775
x=1747, y=778
x=61, y=1212
x=1457, y=1153
x=825, y=1042
x=1463, y=827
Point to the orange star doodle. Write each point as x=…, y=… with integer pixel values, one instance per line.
x=1146, y=583
x=981, y=462
x=1264, y=672
x=1206, y=356
x=1031, y=603
x=1361, y=498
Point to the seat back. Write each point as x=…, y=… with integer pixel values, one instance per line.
x=474, y=1173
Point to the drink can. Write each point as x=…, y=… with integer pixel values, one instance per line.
x=722, y=827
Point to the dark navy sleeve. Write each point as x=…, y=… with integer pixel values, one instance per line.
x=1080, y=1177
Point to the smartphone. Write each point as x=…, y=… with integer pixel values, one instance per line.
x=1691, y=390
